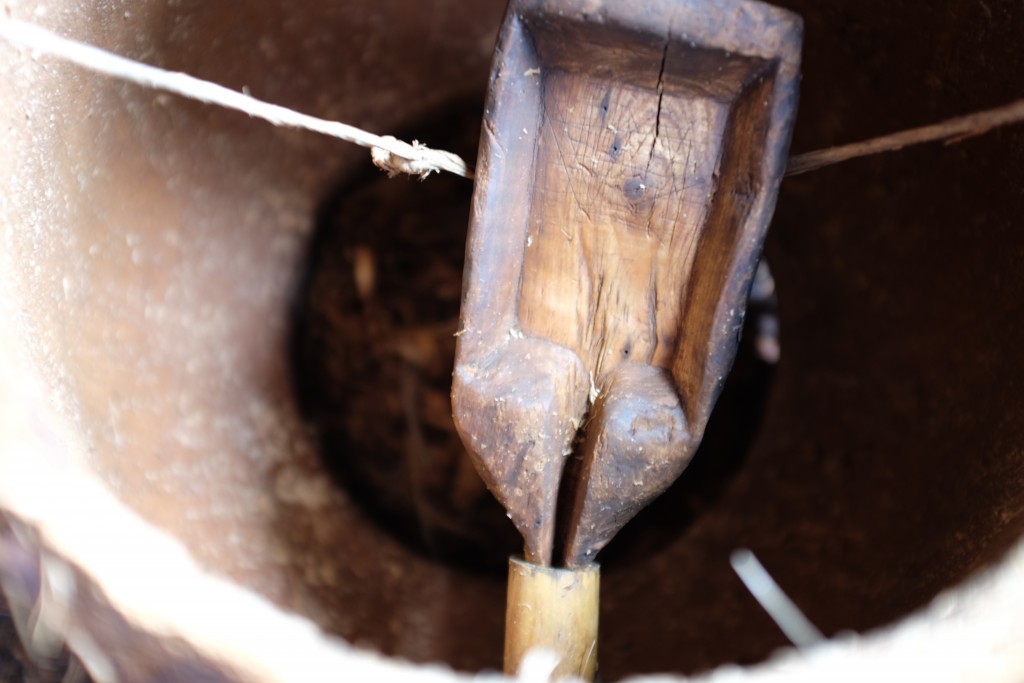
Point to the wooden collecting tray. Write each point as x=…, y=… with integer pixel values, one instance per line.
x=630, y=159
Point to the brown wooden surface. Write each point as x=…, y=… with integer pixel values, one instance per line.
x=630, y=158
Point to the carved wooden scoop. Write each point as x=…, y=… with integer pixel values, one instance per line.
x=630, y=159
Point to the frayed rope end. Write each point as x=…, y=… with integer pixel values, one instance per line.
x=417, y=159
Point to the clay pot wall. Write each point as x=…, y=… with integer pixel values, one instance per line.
x=153, y=457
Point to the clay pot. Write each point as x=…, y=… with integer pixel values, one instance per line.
x=169, y=511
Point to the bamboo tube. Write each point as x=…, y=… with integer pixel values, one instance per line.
x=553, y=609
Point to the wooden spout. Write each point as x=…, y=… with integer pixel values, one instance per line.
x=629, y=162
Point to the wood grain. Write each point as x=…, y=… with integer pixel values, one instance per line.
x=621, y=195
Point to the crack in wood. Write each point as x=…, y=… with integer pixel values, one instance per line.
x=657, y=123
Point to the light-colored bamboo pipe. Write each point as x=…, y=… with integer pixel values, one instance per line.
x=553, y=609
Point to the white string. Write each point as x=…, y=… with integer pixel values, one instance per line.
x=783, y=611
x=388, y=153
